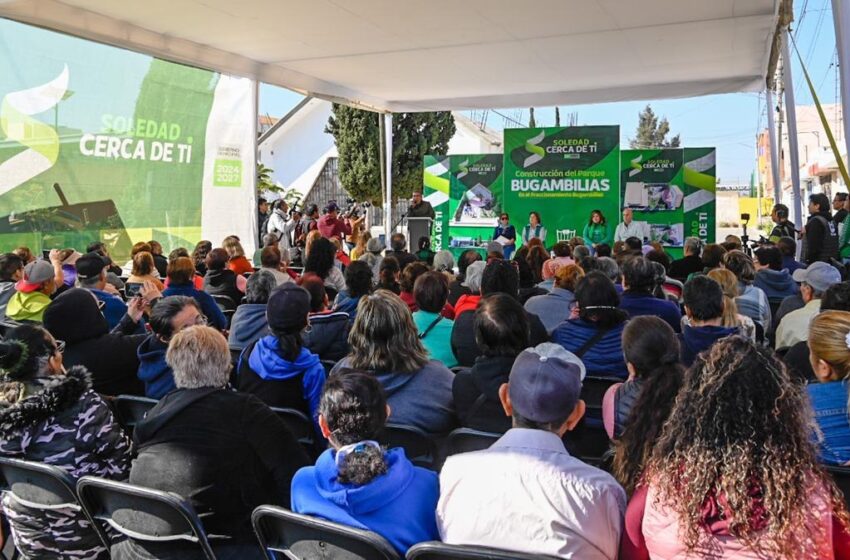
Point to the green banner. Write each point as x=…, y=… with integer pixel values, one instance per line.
x=470, y=212
x=563, y=173
x=652, y=185
x=700, y=179
x=102, y=144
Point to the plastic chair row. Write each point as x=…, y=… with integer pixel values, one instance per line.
x=152, y=516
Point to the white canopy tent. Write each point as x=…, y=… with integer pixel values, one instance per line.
x=393, y=56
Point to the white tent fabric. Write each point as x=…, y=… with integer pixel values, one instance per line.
x=392, y=55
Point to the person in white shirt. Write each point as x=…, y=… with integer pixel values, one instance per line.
x=794, y=327
x=629, y=228
x=526, y=493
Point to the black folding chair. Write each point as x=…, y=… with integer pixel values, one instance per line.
x=143, y=514
x=301, y=427
x=132, y=409
x=435, y=550
x=300, y=537
x=44, y=487
x=588, y=442
x=225, y=303
x=459, y=369
x=418, y=447
x=592, y=391
x=464, y=440
x=841, y=476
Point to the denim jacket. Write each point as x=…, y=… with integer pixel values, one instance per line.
x=829, y=404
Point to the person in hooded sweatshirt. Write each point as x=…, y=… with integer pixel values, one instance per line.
x=774, y=280
x=11, y=270
x=357, y=482
x=384, y=340
x=111, y=357
x=501, y=332
x=249, y=322
x=327, y=333
x=703, y=299
x=169, y=316
x=278, y=368
x=224, y=451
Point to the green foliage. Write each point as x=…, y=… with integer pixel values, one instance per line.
x=265, y=184
x=652, y=133
x=414, y=135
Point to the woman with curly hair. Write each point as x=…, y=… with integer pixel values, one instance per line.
x=384, y=341
x=635, y=411
x=735, y=473
x=359, y=483
x=320, y=261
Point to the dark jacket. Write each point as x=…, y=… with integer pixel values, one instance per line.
x=279, y=382
x=247, y=325
x=161, y=265
x=154, y=372
x=347, y=304
x=476, y=394
x=403, y=257
x=639, y=303
x=797, y=360
x=327, y=335
x=680, y=269
x=776, y=284
x=820, y=243
x=463, y=336
x=625, y=397
x=226, y=452
x=110, y=357
x=222, y=283
x=605, y=357
x=60, y=421
x=694, y=340
x=457, y=289
x=209, y=308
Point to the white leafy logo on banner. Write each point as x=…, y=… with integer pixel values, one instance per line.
x=537, y=153
x=18, y=125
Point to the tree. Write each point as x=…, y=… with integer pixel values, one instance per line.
x=531, y=122
x=264, y=181
x=414, y=135
x=652, y=133
x=557, y=117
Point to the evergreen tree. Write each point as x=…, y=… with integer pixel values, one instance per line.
x=652, y=132
x=531, y=122
x=414, y=135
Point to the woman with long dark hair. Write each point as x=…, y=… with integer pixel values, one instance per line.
x=595, y=335
x=388, y=275
x=735, y=473
x=635, y=411
x=359, y=483
x=596, y=231
x=320, y=261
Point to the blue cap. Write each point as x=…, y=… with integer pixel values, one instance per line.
x=545, y=383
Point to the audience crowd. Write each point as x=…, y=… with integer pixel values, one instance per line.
x=724, y=389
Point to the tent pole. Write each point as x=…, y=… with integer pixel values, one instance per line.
x=774, y=152
x=388, y=161
x=791, y=113
x=841, y=18
x=255, y=99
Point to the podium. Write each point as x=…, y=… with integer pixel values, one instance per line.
x=416, y=228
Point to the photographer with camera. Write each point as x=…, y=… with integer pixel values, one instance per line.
x=280, y=224
x=783, y=228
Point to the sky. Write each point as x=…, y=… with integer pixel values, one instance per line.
x=729, y=122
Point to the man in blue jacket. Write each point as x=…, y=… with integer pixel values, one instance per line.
x=91, y=275
x=703, y=299
x=774, y=280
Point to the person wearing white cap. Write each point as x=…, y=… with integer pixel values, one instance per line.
x=814, y=281
x=32, y=292
x=526, y=493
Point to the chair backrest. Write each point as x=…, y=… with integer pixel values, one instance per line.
x=132, y=409
x=143, y=514
x=301, y=537
x=300, y=426
x=434, y=550
x=225, y=303
x=564, y=234
x=587, y=441
x=841, y=476
x=418, y=447
x=464, y=440
x=44, y=487
x=593, y=390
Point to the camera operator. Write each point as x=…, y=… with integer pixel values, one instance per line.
x=420, y=208
x=355, y=220
x=820, y=236
x=331, y=225
x=783, y=227
x=280, y=224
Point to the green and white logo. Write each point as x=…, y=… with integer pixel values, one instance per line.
x=635, y=165
x=537, y=152
x=41, y=139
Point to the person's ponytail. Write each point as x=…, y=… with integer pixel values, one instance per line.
x=24, y=352
x=362, y=465
x=13, y=356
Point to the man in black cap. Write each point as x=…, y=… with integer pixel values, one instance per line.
x=526, y=492
x=91, y=275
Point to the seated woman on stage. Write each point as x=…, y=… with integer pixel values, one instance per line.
x=506, y=230
x=534, y=229
x=596, y=231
